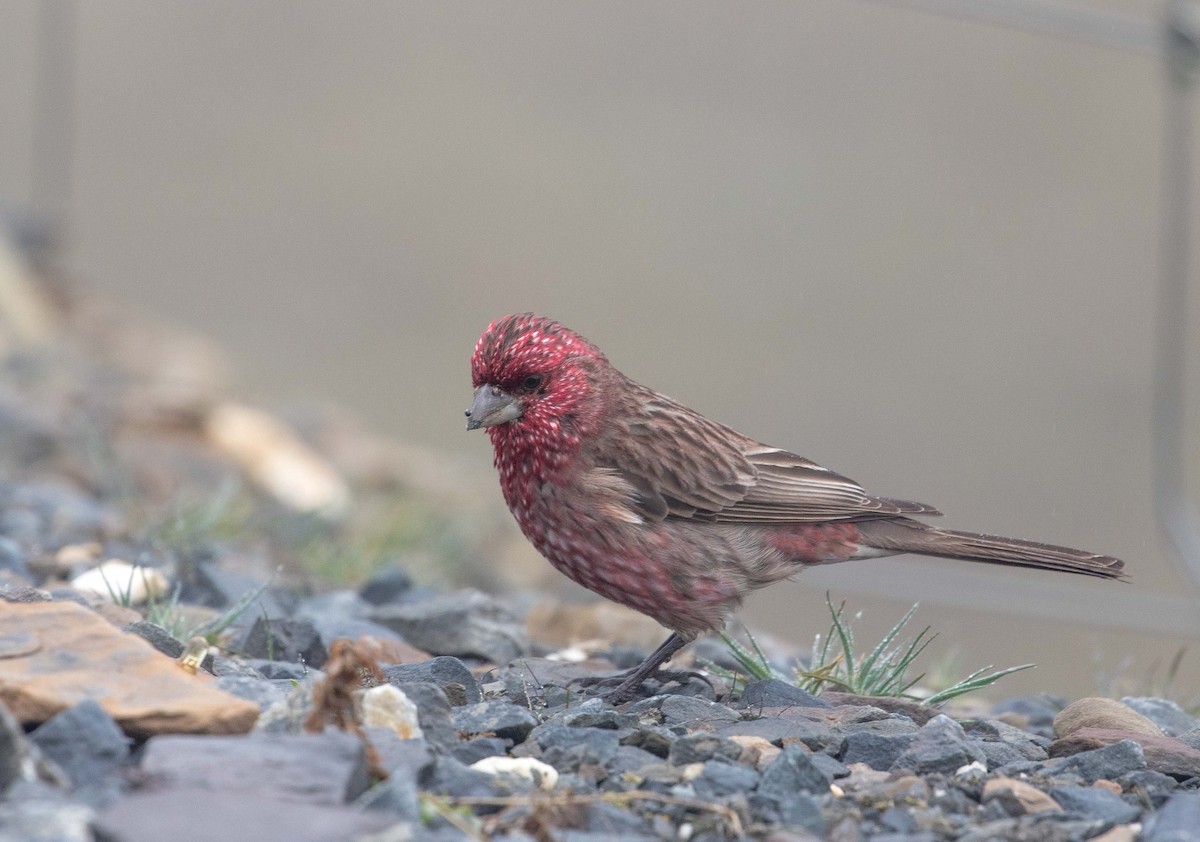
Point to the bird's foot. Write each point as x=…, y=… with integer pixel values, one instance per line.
x=622, y=687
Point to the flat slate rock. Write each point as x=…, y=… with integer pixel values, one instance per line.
x=328, y=768
x=76, y=655
x=191, y=815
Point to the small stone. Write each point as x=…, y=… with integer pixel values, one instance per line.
x=702, y=746
x=388, y=707
x=566, y=749
x=773, y=693
x=449, y=777
x=688, y=711
x=541, y=775
x=941, y=745
x=1096, y=712
x=388, y=585
x=879, y=751
x=261, y=692
x=296, y=641
x=1162, y=753
x=85, y=742
x=1166, y=714
x=503, y=719
x=433, y=715
x=1092, y=802
x=756, y=751
x=1034, y=714
x=328, y=768
x=1175, y=821
x=721, y=779
x=793, y=771
x=481, y=747
x=282, y=670
x=816, y=735
x=45, y=820
x=1110, y=762
x=465, y=623
x=450, y=674
x=121, y=582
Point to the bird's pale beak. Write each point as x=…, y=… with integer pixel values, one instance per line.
x=492, y=405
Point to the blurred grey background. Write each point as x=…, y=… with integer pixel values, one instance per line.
x=919, y=249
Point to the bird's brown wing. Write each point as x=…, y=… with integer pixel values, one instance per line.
x=682, y=465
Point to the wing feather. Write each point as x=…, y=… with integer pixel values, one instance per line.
x=682, y=465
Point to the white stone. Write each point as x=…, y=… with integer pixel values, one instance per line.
x=529, y=768
x=121, y=582
x=387, y=706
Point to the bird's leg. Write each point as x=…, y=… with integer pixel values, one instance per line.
x=628, y=688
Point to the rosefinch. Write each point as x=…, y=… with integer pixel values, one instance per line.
x=649, y=504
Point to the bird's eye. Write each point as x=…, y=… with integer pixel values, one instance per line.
x=531, y=382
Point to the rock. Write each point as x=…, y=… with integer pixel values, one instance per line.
x=1110, y=762
x=503, y=719
x=328, y=768
x=85, y=742
x=539, y=774
x=221, y=589
x=260, y=691
x=479, y=748
x=21, y=761
x=702, y=746
x=449, y=777
x=721, y=779
x=466, y=623
x=566, y=749
x=1018, y=798
x=190, y=815
x=1034, y=714
x=1151, y=787
x=406, y=762
x=798, y=810
x=1090, y=802
x=277, y=460
x=774, y=693
x=121, y=582
x=433, y=715
x=387, y=585
x=792, y=772
x=149, y=695
x=282, y=670
x=688, y=711
x=1101, y=713
x=1167, y=715
x=297, y=641
x=941, y=745
x=989, y=733
x=756, y=751
x=45, y=820
x=450, y=674
x=1163, y=754
x=289, y=715
x=879, y=751
x=1176, y=821
x=388, y=707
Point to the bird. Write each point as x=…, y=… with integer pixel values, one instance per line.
x=650, y=504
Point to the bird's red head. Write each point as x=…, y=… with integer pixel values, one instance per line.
x=533, y=382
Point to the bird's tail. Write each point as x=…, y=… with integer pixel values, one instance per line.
x=901, y=535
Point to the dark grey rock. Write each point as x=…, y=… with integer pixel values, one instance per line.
x=332, y=606
x=791, y=772
x=464, y=623
x=479, y=748
x=449, y=777
x=388, y=585
x=44, y=820
x=21, y=761
x=566, y=749
x=688, y=711
x=161, y=639
x=1164, y=713
x=223, y=666
x=261, y=691
x=503, y=719
x=653, y=739
x=1027, y=745
x=448, y=673
x=283, y=670
x=721, y=779
x=702, y=746
x=816, y=735
x=407, y=762
x=85, y=742
x=795, y=810
x=13, y=558
x=196, y=815
x=22, y=594
x=433, y=714
x=611, y=822
x=328, y=768
x=1110, y=762
x=940, y=746
x=630, y=759
x=773, y=693
x=218, y=588
x=1000, y=755
x=1149, y=785
x=1039, y=712
x=275, y=639
x=879, y=751
x=1176, y=821
x=1093, y=803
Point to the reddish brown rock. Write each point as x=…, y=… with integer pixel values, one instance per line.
x=1097, y=712
x=73, y=654
x=1163, y=754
